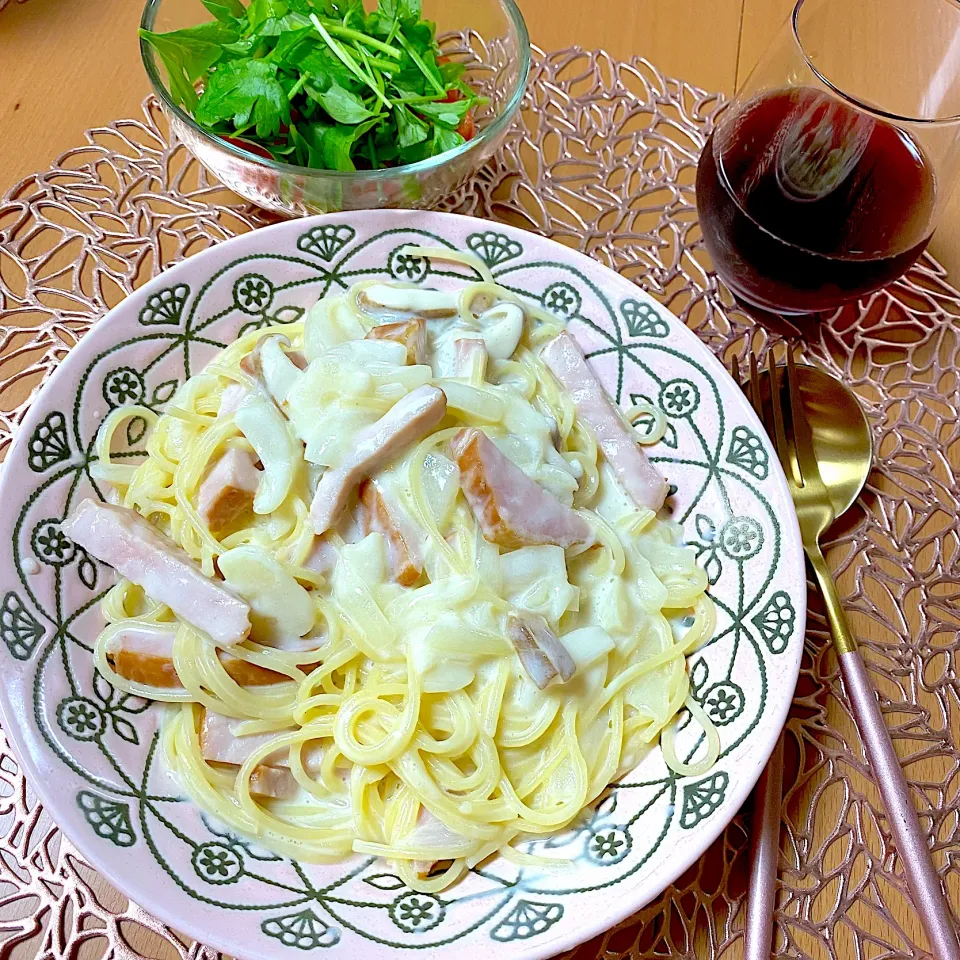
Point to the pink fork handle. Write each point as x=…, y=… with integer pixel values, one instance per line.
x=926, y=891
x=764, y=858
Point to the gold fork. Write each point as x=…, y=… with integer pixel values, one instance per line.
x=794, y=443
x=768, y=793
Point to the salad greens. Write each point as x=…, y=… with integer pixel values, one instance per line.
x=320, y=83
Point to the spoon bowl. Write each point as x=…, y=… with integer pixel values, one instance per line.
x=842, y=441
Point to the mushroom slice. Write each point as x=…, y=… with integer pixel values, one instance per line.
x=542, y=655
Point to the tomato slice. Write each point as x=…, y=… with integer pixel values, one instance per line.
x=467, y=128
x=253, y=148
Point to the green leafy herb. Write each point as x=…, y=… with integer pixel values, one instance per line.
x=261, y=12
x=449, y=114
x=245, y=89
x=338, y=142
x=411, y=128
x=321, y=83
x=343, y=105
x=225, y=10
x=189, y=54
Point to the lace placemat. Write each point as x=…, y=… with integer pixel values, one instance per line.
x=603, y=160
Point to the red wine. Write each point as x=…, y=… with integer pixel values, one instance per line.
x=805, y=203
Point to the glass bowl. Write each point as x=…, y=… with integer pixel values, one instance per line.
x=488, y=36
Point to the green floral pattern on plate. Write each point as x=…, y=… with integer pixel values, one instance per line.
x=48, y=443
x=113, y=794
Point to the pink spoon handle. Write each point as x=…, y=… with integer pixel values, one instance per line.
x=925, y=889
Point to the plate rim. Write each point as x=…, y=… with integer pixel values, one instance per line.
x=620, y=908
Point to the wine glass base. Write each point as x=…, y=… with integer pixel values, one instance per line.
x=783, y=324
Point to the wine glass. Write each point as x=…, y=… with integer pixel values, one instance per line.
x=825, y=177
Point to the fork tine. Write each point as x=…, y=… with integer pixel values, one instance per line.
x=748, y=388
x=755, y=395
x=802, y=438
x=779, y=434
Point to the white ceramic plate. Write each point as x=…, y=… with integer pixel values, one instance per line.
x=91, y=752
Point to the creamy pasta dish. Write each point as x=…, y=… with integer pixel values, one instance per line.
x=399, y=570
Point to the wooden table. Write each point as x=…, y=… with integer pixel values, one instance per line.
x=69, y=65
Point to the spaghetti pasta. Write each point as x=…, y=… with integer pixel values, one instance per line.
x=402, y=718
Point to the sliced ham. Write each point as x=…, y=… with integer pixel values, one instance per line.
x=543, y=657
x=470, y=359
x=379, y=518
x=143, y=653
x=411, y=333
x=272, y=778
x=639, y=477
x=407, y=422
x=220, y=743
x=227, y=492
x=138, y=551
x=512, y=510
x=273, y=783
x=233, y=395
x=322, y=556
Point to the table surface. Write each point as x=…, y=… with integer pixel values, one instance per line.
x=67, y=67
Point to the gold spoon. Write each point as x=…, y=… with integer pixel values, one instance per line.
x=839, y=433
x=825, y=447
